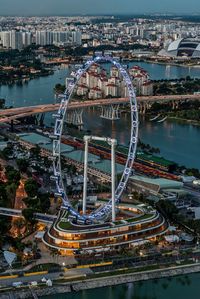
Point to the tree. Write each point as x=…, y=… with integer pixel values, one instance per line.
x=7, y=151
x=19, y=224
x=39, y=203
x=11, y=193
x=47, y=162
x=31, y=202
x=12, y=175
x=22, y=165
x=31, y=187
x=44, y=202
x=168, y=208
x=35, y=151
x=2, y=103
x=5, y=225
x=3, y=195
x=29, y=216
x=59, y=88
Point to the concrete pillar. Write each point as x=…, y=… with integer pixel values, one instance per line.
x=86, y=140
x=113, y=144
x=110, y=112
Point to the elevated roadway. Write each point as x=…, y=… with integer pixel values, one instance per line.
x=7, y=115
x=45, y=218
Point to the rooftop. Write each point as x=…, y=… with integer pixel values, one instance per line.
x=155, y=159
x=70, y=152
x=160, y=182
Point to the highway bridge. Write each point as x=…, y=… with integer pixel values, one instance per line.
x=45, y=218
x=7, y=115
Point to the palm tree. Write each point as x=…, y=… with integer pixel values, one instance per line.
x=19, y=223
x=54, y=253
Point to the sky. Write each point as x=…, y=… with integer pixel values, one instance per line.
x=67, y=7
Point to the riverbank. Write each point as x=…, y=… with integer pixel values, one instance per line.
x=21, y=80
x=165, y=63
x=170, y=137
x=105, y=281
x=184, y=120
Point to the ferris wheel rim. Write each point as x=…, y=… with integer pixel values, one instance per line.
x=58, y=129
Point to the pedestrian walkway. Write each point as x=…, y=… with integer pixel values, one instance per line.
x=34, y=295
x=11, y=295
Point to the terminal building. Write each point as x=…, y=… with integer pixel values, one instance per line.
x=160, y=188
x=134, y=224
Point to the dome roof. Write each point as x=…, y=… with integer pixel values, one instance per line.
x=184, y=47
x=174, y=45
x=189, y=47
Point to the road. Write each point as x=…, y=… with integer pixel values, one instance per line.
x=20, y=195
x=45, y=218
x=14, y=113
x=55, y=275
x=129, y=262
x=9, y=281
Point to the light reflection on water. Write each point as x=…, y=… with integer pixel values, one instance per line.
x=177, y=142
x=184, y=287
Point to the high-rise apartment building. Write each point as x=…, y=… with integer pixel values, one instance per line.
x=16, y=40
x=26, y=39
x=58, y=38
x=76, y=37
x=5, y=36
x=43, y=38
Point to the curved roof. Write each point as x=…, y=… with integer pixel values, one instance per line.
x=174, y=45
x=184, y=47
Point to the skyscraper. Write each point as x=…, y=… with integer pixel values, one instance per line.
x=76, y=38
x=6, y=39
x=16, y=40
x=26, y=39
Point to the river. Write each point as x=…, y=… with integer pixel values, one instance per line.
x=40, y=90
x=184, y=287
x=178, y=142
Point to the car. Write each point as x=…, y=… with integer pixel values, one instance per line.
x=33, y=283
x=17, y=284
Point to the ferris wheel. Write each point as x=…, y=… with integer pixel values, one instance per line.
x=107, y=208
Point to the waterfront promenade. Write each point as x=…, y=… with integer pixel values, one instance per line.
x=75, y=281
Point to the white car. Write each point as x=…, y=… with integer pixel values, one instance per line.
x=43, y=279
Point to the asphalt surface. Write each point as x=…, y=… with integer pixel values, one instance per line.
x=27, y=279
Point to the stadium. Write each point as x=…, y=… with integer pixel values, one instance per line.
x=185, y=47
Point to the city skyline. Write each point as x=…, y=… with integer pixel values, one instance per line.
x=77, y=7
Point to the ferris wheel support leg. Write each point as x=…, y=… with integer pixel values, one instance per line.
x=113, y=143
x=86, y=139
